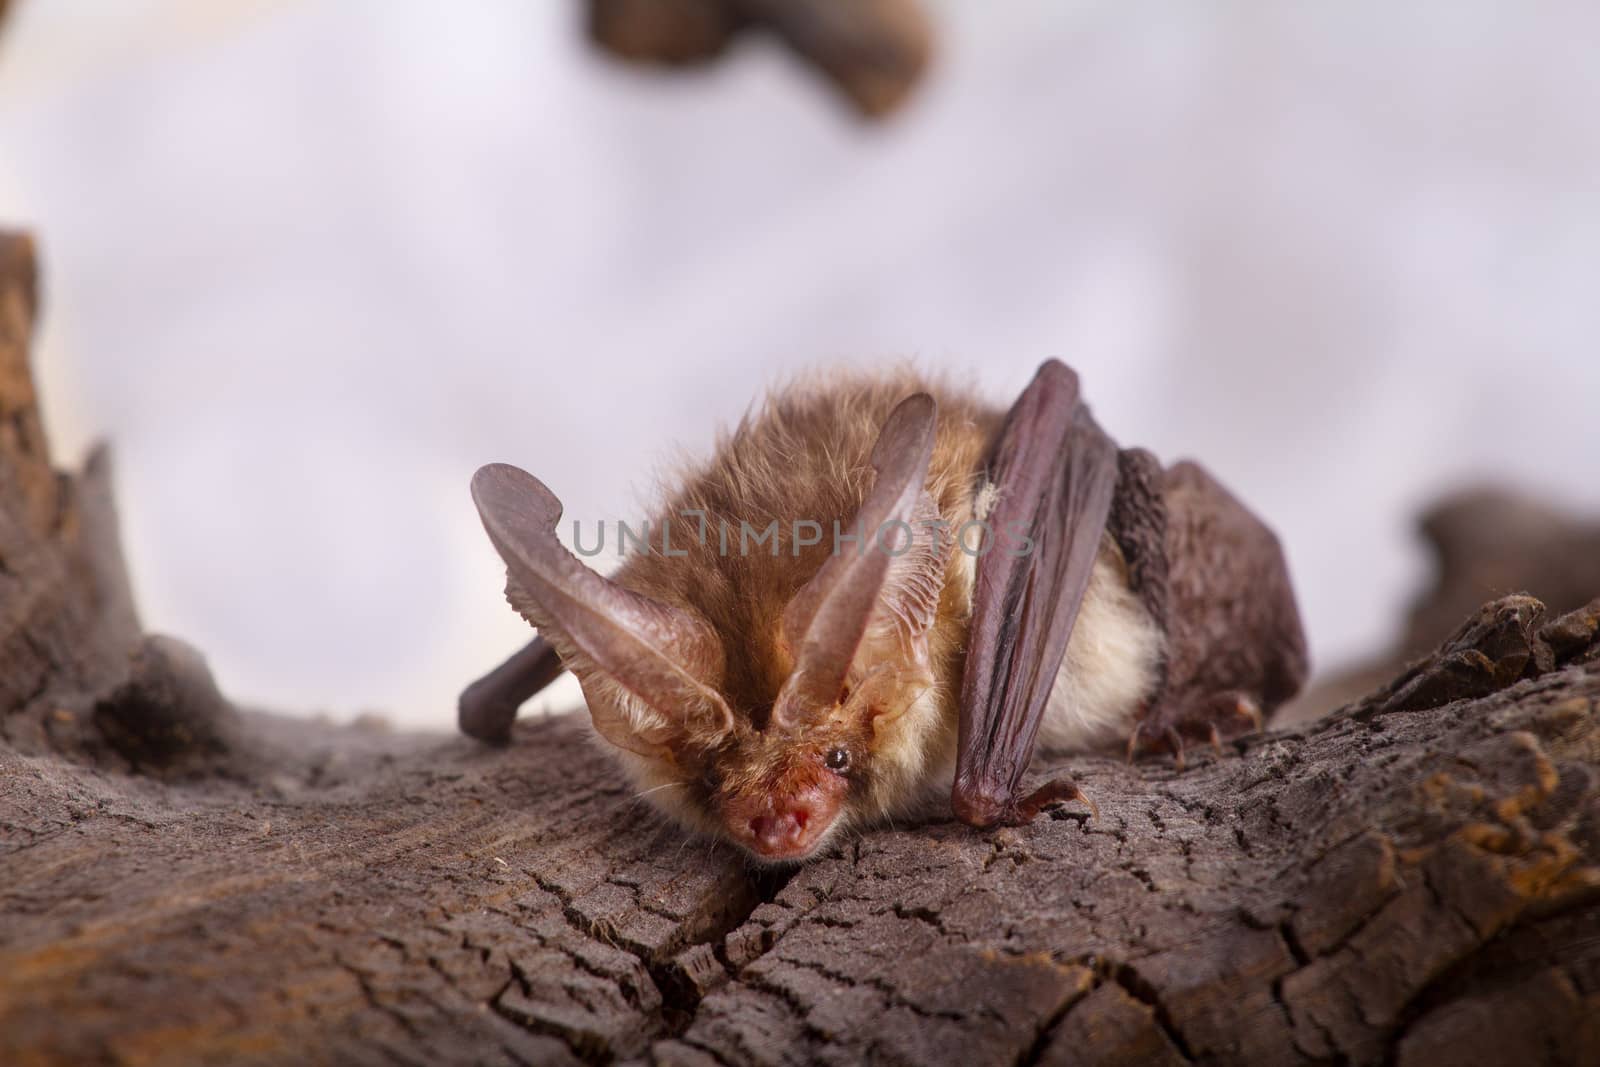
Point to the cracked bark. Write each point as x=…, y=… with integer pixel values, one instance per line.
x=1412, y=880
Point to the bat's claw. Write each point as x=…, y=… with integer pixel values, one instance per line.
x=997, y=806
x=1250, y=710
x=1217, y=719
x=1052, y=792
x=1151, y=736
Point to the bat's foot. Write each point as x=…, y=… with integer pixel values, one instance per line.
x=998, y=806
x=1147, y=737
x=1052, y=792
x=1216, y=719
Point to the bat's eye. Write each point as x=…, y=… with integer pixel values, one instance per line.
x=837, y=760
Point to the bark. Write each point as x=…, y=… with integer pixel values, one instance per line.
x=1412, y=880
x=1484, y=542
x=66, y=614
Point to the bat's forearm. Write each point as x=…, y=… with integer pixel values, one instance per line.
x=488, y=706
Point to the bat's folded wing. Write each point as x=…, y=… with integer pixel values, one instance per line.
x=1055, y=472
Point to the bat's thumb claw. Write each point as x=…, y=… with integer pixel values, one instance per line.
x=1051, y=792
x=985, y=806
x=1250, y=710
x=1088, y=802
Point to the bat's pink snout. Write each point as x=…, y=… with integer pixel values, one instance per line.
x=781, y=832
x=784, y=825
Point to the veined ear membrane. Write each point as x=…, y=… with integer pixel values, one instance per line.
x=827, y=619
x=660, y=655
x=909, y=601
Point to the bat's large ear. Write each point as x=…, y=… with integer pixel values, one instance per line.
x=885, y=589
x=909, y=601
x=646, y=667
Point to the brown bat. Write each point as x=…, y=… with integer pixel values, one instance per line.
x=935, y=588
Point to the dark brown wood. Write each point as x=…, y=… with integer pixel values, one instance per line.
x=1413, y=880
x=1485, y=542
x=873, y=51
x=67, y=621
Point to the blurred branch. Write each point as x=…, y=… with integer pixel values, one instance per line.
x=874, y=51
x=67, y=621
x=1487, y=542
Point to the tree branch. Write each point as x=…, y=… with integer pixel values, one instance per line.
x=873, y=51
x=1415, y=879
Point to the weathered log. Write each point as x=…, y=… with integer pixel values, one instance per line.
x=874, y=51
x=67, y=621
x=1485, y=542
x=1415, y=879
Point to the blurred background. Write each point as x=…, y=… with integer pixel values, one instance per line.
x=308, y=264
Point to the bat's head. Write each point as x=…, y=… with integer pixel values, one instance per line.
x=781, y=771
x=788, y=779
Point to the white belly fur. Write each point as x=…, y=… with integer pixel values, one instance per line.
x=1111, y=661
x=1110, y=666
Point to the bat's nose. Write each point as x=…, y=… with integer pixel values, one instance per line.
x=780, y=831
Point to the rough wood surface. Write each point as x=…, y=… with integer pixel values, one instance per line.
x=1414, y=880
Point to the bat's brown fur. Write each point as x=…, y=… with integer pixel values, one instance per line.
x=803, y=455
x=769, y=691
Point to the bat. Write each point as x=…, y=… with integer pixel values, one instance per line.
x=881, y=590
